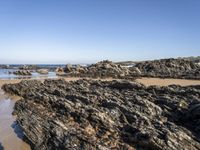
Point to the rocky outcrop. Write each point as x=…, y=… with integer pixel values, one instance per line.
x=5, y=67
x=107, y=69
x=59, y=70
x=43, y=71
x=28, y=67
x=68, y=68
x=87, y=114
x=22, y=72
x=169, y=68
x=103, y=69
x=194, y=59
x=163, y=68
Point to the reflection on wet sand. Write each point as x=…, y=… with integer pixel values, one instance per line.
x=1, y=147
x=12, y=137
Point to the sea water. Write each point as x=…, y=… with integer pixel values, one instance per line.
x=7, y=74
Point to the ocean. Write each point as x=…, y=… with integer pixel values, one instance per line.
x=7, y=73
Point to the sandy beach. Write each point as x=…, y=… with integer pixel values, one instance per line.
x=166, y=82
x=145, y=81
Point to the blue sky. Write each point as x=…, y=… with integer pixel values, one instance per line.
x=81, y=31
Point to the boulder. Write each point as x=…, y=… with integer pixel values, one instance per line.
x=22, y=72
x=68, y=68
x=59, y=70
x=43, y=71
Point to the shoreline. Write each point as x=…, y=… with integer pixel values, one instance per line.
x=10, y=131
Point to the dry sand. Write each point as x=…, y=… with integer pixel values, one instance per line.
x=145, y=81
x=2, y=82
x=166, y=82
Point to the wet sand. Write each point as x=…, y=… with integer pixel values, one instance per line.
x=11, y=134
x=166, y=82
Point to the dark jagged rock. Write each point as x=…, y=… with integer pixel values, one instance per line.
x=22, y=72
x=103, y=69
x=107, y=69
x=29, y=67
x=169, y=68
x=163, y=68
x=194, y=59
x=59, y=70
x=87, y=114
x=68, y=68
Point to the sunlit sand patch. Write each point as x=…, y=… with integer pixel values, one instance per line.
x=166, y=82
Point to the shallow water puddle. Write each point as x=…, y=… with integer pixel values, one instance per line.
x=11, y=135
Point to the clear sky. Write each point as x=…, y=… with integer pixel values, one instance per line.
x=62, y=31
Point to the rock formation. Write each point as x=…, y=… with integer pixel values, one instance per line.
x=5, y=67
x=22, y=72
x=103, y=115
x=163, y=68
x=169, y=68
x=28, y=67
x=43, y=71
x=107, y=69
x=59, y=70
x=103, y=69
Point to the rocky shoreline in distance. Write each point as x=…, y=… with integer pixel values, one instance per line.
x=103, y=69
x=180, y=68
x=88, y=114
x=170, y=68
x=163, y=68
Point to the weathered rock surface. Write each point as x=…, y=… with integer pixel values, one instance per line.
x=163, y=68
x=170, y=68
x=43, y=71
x=107, y=69
x=86, y=114
x=5, y=66
x=29, y=67
x=59, y=70
x=103, y=69
x=22, y=72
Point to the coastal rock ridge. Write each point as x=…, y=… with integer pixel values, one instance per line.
x=103, y=115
